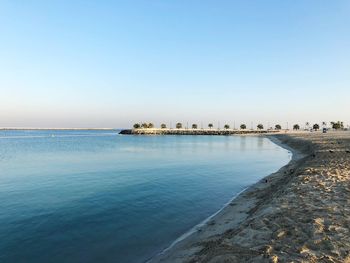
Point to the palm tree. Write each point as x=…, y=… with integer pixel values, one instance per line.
x=144, y=125
x=194, y=126
x=296, y=127
x=136, y=126
x=210, y=125
x=316, y=126
x=226, y=126
x=260, y=126
x=150, y=125
x=307, y=124
x=337, y=125
x=243, y=126
x=163, y=126
x=178, y=125
x=278, y=127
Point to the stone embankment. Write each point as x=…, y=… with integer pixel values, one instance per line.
x=193, y=131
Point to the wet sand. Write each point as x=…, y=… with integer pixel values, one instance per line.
x=299, y=214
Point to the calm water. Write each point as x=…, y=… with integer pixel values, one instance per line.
x=95, y=196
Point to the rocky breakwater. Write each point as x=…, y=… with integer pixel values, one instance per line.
x=192, y=131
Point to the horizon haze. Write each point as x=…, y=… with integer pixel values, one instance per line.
x=113, y=63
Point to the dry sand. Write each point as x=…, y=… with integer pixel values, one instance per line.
x=300, y=214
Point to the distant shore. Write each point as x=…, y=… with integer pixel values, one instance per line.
x=300, y=213
x=65, y=129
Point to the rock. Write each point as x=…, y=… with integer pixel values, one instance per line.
x=128, y=131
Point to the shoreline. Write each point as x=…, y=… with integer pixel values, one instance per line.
x=195, y=228
x=267, y=222
x=195, y=233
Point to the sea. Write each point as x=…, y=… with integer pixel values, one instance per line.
x=97, y=196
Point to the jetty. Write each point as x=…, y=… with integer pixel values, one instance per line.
x=159, y=131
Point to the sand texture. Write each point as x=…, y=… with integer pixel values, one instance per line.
x=299, y=214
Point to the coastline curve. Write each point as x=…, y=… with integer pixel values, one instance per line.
x=232, y=214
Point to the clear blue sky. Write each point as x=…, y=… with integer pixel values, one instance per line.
x=113, y=63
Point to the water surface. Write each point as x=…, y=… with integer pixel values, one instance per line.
x=95, y=196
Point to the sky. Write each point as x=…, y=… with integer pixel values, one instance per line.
x=113, y=63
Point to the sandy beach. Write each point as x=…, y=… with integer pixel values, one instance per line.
x=301, y=213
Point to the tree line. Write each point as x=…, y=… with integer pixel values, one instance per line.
x=335, y=125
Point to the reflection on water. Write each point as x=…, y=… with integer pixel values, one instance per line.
x=243, y=143
x=95, y=196
x=260, y=143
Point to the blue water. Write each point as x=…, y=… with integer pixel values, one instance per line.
x=95, y=196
